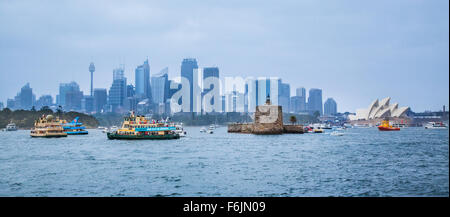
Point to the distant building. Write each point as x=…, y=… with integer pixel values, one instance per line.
x=295, y=104
x=74, y=90
x=1, y=106
x=73, y=100
x=330, y=107
x=130, y=90
x=315, y=101
x=44, y=100
x=100, y=99
x=92, y=70
x=209, y=72
x=379, y=109
x=11, y=104
x=301, y=92
x=88, y=104
x=160, y=86
x=142, y=81
x=24, y=99
x=118, y=91
x=284, y=96
x=187, y=71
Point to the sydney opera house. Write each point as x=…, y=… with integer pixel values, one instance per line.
x=378, y=110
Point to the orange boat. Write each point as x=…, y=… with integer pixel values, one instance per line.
x=385, y=126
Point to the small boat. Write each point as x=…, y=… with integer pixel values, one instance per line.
x=47, y=127
x=336, y=133
x=113, y=129
x=74, y=127
x=11, y=127
x=325, y=126
x=179, y=129
x=202, y=130
x=385, y=126
x=435, y=125
x=140, y=127
x=318, y=131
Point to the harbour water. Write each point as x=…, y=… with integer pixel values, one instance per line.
x=363, y=162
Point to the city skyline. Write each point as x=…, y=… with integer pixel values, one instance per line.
x=336, y=55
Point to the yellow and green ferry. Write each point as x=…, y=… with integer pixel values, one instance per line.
x=139, y=127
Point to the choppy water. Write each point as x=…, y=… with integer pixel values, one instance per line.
x=363, y=162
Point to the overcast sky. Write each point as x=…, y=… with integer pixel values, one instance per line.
x=356, y=51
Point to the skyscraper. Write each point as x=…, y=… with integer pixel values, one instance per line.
x=44, y=100
x=26, y=97
x=100, y=99
x=295, y=104
x=160, y=86
x=130, y=90
x=70, y=96
x=301, y=92
x=92, y=69
x=118, y=90
x=284, y=96
x=315, y=101
x=142, y=81
x=187, y=71
x=330, y=107
x=209, y=72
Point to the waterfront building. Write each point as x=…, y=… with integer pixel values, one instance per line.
x=44, y=100
x=100, y=99
x=315, y=101
x=118, y=90
x=188, y=67
x=91, y=70
x=379, y=110
x=142, y=81
x=330, y=107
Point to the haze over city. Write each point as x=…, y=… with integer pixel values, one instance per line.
x=354, y=51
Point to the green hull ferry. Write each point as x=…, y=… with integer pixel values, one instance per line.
x=155, y=137
x=139, y=127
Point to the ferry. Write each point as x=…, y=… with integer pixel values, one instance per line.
x=385, y=126
x=139, y=127
x=435, y=125
x=74, y=127
x=47, y=127
x=11, y=127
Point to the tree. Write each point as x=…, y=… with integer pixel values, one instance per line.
x=293, y=119
x=33, y=109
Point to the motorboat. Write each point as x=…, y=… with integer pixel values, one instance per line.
x=202, y=130
x=318, y=131
x=11, y=127
x=435, y=125
x=179, y=130
x=336, y=133
x=385, y=126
